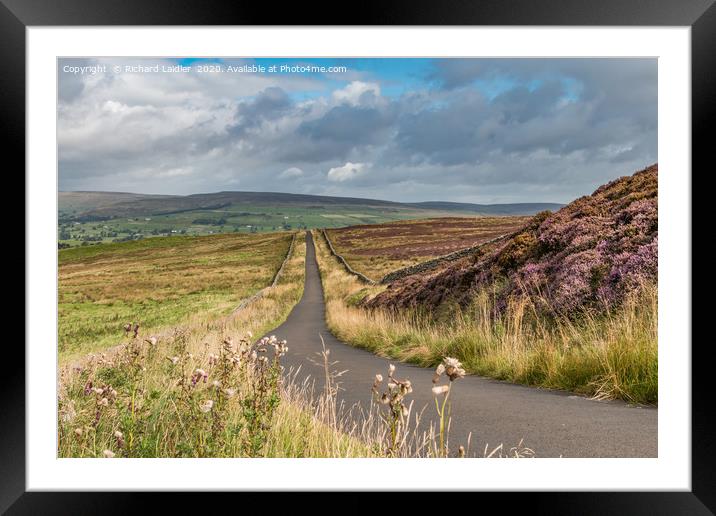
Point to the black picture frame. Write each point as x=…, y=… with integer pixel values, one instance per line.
x=700, y=15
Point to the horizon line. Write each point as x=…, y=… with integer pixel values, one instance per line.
x=311, y=195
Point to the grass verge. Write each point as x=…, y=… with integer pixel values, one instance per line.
x=612, y=356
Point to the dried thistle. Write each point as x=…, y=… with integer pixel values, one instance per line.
x=120, y=438
x=453, y=369
x=397, y=411
x=199, y=374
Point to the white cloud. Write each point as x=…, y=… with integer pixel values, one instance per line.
x=176, y=172
x=347, y=172
x=354, y=93
x=141, y=131
x=113, y=106
x=291, y=173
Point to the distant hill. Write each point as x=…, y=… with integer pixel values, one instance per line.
x=152, y=205
x=89, y=206
x=591, y=253
x=527, y=208
x=80, y=202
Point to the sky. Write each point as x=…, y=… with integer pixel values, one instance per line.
x=463, y=130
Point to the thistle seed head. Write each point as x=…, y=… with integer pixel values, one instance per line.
x=453, y=368
x=440, y=389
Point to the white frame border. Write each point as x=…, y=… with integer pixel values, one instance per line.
x=671, y=470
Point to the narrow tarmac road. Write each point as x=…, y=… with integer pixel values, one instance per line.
x=552, y=423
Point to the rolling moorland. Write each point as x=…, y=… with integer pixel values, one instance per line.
x=149, y=396
x=378, y=249
x=157, y=282
x=87, y=218
x=569, y=302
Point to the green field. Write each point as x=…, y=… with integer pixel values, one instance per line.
x=239, y=218
x=88, y=218
x=157, y=282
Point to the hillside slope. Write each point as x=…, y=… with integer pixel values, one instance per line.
x=70, y=203
x=590, y=253
x=185, y=203
x=133, y=205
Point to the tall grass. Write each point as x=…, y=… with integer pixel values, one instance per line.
x=605, y=356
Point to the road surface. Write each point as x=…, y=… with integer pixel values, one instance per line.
x=552, y=423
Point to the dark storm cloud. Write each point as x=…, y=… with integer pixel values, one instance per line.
x=520, y=104
x=538, y=112
x=481, y=130
x=271, y=104
x=330, y=134
x=356, y=125
x=447, y=135
x=337, y=133
x=620, y=86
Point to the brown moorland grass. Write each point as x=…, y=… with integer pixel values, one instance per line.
x=157, y=282
x=606, y=356
x=378, y=249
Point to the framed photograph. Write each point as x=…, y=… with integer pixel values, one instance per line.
x=444, y=249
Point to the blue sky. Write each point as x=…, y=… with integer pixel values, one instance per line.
x=398, y=75
x=468, y=130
